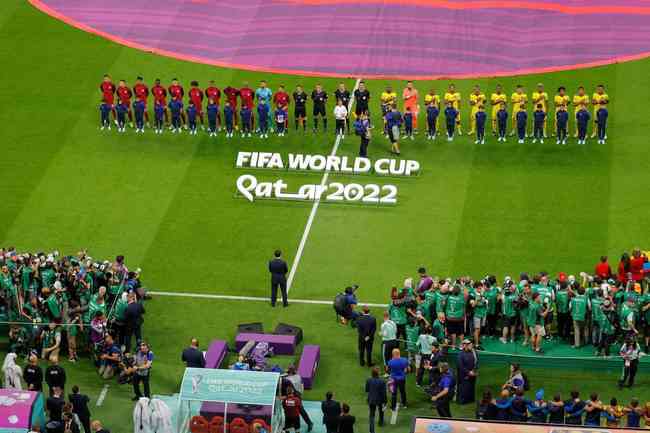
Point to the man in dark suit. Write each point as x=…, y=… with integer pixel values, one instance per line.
x=377, y=399
x=80, y=407
x=278, y=269
x=331, y=412
x=366, y=327
x=192, y=356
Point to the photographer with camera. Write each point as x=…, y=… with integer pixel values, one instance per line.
x=143, y=363
x=344, y=304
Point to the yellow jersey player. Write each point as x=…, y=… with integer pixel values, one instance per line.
x=496, y=99
x=433, y=97
x=476, y=99
x=388, y=98
x=579, y=99
x=560, y=100
x=453, y=97
x=599, y=100
x=518, y=99
x=540, y=97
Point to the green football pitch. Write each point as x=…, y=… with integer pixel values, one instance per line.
x=168, y=204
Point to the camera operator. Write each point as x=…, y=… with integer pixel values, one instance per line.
x=127, y=369
x=347, y=312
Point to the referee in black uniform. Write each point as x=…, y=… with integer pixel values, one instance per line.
x=278, y=269
x=300, y=107
x=319, y=96
x=342, y=94
x=362, y=97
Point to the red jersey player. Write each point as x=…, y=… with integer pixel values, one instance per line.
x=196, y=96
x=124, y=94
x=160, y=97
x=213, y=93
x=247, y=96
x=141, y=92
x=281, y=100
x=176, y=92
x=108, y=93
x=231, y=95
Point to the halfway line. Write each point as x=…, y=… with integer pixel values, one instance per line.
x=314, y=208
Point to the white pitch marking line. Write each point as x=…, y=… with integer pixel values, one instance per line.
x=314, y=208
x=249, y=298
x=102, y=395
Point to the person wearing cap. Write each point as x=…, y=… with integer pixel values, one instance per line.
x=444, y=391
x=630, y=352
x=606, y=325
x=467, y=372
x=366, y=328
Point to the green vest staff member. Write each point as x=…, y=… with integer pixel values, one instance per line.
x=508, y=311
x=455, y=315
x=578, y=308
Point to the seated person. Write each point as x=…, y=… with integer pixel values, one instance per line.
x=19, y=340
x=110, y=358
x=516, y=379
x=241, y=364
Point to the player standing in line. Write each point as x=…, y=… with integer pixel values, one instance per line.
x=319, y=97
x=229, y=116
x=124, y=94
x=432, y=118
x=362, y=98
x=196, y=97
x=429, y=98
x=601, y=120
x=213, y=115
x=192, y=114
x=582, y=120
x=141, y=92
x=562, y=122
x=246, y=116
x=496, y=99
x=410, y=97
x=387, y=99
x=280, y=120
x=122, y=109
x=263, y=116
x=540, y=96
x=340, y=117
x=343, y=94
x=281, y=100
x=599, y=100
x=518, y=99
x=561, y=99
x=231, y=94
x=108, y=93
x=476, y=99
x=160, y=97
x=247, y=97
x=502, y=121
x=176, y=93
x=213, y=93
x=454, y=97
x=539, y=123
x=105, y=115
x=300, y=108
x=451, y=116
x=480, y=119
x=159, y=112
x=139, y=109
x=264, y=95
x=176, y=109
x=579, y=99
x=522, y=122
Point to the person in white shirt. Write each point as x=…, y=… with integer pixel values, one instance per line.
x=388, y=331
x=340, y=115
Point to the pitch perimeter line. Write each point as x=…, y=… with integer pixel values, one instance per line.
x=250, y=298
x=314, y=208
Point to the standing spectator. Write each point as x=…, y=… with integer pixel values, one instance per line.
x=376, y=390
x=398, y=367
x=133, y=320
x=603, y=270
x=55, y=376
x=623, y=268
x=346, y=421
x=97, y=427
x=366, y=327
x=636, y=265
x=389, y=337
x=291, y=404
x=278, y=269
x=80, y=407
x=33, y=374
x=444, y=392
x=193, y=356
x=54, y=405
x=630, y=354
x=467, y=373
x=143, y=361
x=429, y=354
x=578, y=308
x=331, y=410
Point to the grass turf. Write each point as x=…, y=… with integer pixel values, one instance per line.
x=166, y=202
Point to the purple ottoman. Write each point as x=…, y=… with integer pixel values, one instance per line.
x=308, y=364
x=216, y=354
x=281, y=344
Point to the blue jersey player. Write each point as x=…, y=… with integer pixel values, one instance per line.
x=539, y=120
x=122, y=110
x=582, y=119
x=432, y=119
x=280, y=121
x=450, y=118
x=601, y=122
x=246, y=115
x=176, y=109
x=522, y=121
x=105, y=110
x=139, y=108
x=481, y=118
x=562, y=118
x=191, y=117
x=213, y=113
x=159, y=117
x=228, y=117
x=408, y=123
x=263, y=116
x=502, y=122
